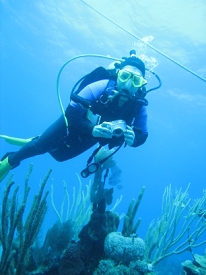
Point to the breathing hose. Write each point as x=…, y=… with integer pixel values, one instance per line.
x=64, y=65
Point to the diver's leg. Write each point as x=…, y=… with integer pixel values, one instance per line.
x=75, y=146
x=5, y=167
x=52, y=138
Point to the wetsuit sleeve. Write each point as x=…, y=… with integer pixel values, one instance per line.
x=140, y=127
x=77, y=115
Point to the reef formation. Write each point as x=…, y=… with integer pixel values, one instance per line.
x=88, y=241
x=195, y=267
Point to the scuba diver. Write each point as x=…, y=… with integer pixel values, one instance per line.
x=107, y=108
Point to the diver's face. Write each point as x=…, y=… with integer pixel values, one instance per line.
x=126, y=84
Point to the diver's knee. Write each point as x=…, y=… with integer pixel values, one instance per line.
x=58, y=158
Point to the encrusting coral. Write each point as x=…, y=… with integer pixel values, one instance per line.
x=17, y=236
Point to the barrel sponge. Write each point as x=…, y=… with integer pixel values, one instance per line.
x=123, y=249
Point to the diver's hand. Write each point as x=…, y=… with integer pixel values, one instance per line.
x=102, y=130
x=129, y=136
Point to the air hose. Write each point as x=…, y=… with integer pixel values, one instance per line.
x=64, y=65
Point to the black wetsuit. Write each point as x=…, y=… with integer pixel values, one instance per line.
x=62, y=146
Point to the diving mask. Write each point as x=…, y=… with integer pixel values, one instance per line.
x=137, y=80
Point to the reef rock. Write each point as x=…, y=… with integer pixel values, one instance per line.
x=200, y=260
x=71, y=263
x=198, y=266
x=123, y=249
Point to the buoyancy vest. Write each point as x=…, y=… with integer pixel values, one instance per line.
x=107, y=106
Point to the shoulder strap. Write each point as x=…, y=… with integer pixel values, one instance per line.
x=99, y=73
x=96, y=75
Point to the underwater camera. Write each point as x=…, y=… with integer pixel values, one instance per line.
x=118, y=127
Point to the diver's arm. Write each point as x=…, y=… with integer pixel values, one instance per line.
x=140, y=127
x=78, y=121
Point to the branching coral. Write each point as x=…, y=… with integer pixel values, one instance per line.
x=101, y=222
x=98, y=190
x=78, y=209
x=16, y=236
x=179, y=228
x=129, y=228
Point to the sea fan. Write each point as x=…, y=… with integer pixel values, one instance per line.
x=114, y=178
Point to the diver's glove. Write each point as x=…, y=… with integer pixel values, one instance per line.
x=129, y=136
x=102, y=130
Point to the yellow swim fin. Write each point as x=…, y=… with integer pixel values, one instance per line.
x=5, y=167
x=16, y=141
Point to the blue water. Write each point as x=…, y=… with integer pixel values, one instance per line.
x=38, y=37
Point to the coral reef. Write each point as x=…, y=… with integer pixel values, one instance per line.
x=71, y=262
x=114, y=178
x=101, y=223
x=58, y=237
x=169, y=266
x=123, y=249
x=93, y=234
x=82, y=256
x=17, y=236
x=128, y=227
x=172, y=233
x=78, y=209
x=197, y=266
x=86, y=241
x=109, y=267
x=56, y=241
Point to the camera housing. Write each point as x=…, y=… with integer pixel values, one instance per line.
x=118, y=127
